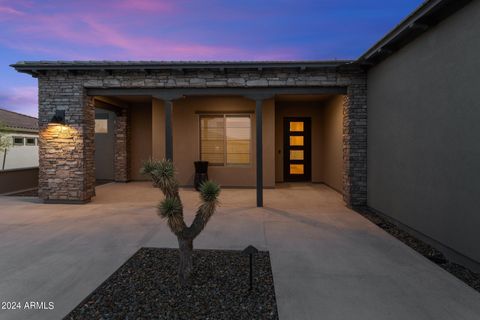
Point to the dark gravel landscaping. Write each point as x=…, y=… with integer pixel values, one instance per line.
x=146, y=287
x=466, y=275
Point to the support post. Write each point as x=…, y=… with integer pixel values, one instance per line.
x=259, y=144
x=259, y=99
x=168, y=130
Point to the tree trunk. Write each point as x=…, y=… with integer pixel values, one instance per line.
x=186, y=265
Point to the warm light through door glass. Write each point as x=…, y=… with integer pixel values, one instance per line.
x=296, y=154
x=296, y=169
x=296, y=140
x=101, y=126
x=296, y=126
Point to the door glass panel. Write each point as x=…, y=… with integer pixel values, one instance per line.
x=101, y=126
x=296, y=155
x=296, y=126
x=296, y=140
x=296, y=169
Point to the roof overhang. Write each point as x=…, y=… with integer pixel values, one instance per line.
x=35, y=68
x=429, y=14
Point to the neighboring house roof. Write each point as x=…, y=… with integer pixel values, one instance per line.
x=429, y=14
x=17, y=121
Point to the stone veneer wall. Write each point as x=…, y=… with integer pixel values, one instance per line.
x=121, y=147
x=355, y=144
x=66, y=152
x=66, y=164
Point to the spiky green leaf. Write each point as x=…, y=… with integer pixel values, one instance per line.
x=209, y=191
x=170, y=208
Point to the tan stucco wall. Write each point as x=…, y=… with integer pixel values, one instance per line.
x=148, y=138
x=327, y=138
x=186, y=144
x=332, y=143
x=140, y=138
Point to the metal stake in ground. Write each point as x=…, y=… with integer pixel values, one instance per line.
x=250, y=250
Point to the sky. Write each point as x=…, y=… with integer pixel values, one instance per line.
x=184, y=30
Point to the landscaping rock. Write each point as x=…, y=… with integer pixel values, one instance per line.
x=463, y=273
x=146, y=287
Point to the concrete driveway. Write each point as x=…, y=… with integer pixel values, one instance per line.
x=328, y=262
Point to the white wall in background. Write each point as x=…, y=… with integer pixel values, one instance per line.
x=21, y=156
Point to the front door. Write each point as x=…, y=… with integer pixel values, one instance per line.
x=297, y=149
x=104, y=144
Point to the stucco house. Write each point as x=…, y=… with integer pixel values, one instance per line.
x=22, y=130
x=396, y=129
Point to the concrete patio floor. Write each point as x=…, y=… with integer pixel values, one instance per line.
x=328, y=262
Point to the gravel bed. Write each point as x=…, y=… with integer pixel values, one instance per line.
x=463, y=273
x=146, y=287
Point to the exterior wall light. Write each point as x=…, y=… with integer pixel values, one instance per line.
x=58, y=118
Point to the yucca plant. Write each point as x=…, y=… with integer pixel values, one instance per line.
x=162, y=174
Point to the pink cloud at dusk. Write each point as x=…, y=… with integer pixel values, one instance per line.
x=118, y=41
x=9, y=11
x=147, y=5
x=20, y=99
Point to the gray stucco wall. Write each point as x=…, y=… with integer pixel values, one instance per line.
x=424, y=133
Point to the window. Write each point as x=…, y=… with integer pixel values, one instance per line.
x=101, y=125
x=30, y=141
x=225, y=140
x=18, y=141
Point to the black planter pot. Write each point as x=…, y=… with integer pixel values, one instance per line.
x=201, y=166
x=201, y=173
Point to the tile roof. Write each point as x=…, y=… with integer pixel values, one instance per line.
x=18, y=121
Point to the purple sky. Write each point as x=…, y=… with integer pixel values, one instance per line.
x=184, y=30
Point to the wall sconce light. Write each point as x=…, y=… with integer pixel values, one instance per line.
x=58, y=118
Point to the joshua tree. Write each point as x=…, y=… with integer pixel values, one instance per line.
x=163, y=175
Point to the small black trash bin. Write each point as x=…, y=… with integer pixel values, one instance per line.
x=201, y=173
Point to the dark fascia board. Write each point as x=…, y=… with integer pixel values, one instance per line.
x=37, y=67
x=429, y=14
x=175, y=93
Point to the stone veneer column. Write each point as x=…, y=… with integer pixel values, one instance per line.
x=66, y=152
x=121, y=147
x=355, y=144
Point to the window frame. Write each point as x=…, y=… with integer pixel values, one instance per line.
x=224, y=115
x=29, y=144
x=18, y=144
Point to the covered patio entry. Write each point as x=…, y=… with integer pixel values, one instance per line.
x=297, y=136
x=68, y=91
